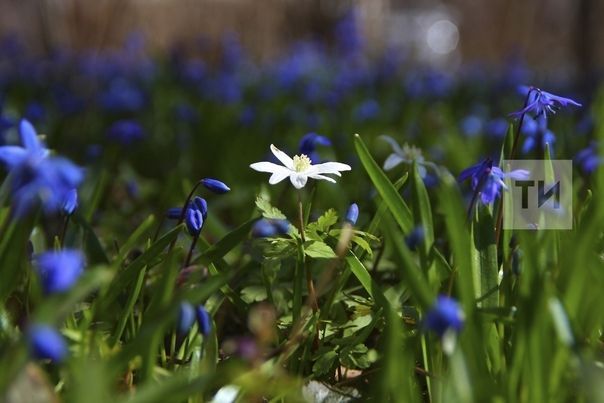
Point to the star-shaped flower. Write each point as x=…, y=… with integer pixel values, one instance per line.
x=298, y=169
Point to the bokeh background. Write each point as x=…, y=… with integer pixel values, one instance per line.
x=555, y=36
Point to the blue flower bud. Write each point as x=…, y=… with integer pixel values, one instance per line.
x=281, y=226
x=71, y=202
x=204, y=321
x=186, y=318
x=415, y=237
x=352, y=215
x=200, y=204
x=445, y=314
x=173, y=213
x=215, y=185
x=194, y=221
x=263, y=228
x=46, y=343
x=59, y=270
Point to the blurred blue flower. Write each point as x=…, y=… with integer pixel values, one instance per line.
x=308, y=144
x=186, y=113
x=126, y=132
x=541, y=102
x=215, y=185
x=265, y=228
x=204, y=320
x=367, y=110
x=35, y=112
x=46, y=343
x=35, y=177
x=349, y=39
x=352, y=215
x=415, y=237
x=536, y=134
x=122, y=96
x=488, y=180
x=194, y=221
x=186, y=318
x=589, y=159
x=71, y=202
x=445, y=314
x=472, y=126
x=59, y=270
x=33, y=149
x=497, y=128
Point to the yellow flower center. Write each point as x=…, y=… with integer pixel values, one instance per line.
x=301, y=163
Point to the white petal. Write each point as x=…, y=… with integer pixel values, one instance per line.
x=265, y=166
x=298, y=180
x=326, y=178
x=277, y=177
x=392, y=161
x=284, y=158
x=393, y=143
x=329, y=168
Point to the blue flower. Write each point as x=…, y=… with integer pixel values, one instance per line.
x=265, y=228
x=497, y=128
x=186, y=318
x=589, y=159
x=367, y=110
x=445, y=314
x=215, y=185
x=541, y=102
x=126, y=131
x=35, y=177
x=193, y=221
x=204, y=320
x=33, y=149
x=198, y=203
x=122, y=96
x=71, y=202
x=59, y=270
x=308, y=144
x=46, y=343
x=352, y=215
x=488, y=180
x=46, y=182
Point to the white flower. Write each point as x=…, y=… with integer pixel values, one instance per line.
x=406, y=154
x=298, y=169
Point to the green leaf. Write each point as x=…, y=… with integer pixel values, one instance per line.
x=323, y=223
x=226, y=243
x=177, y=387
x=324, y=365
x=422, y=214
x=94, y=250
x=128, y=275
x=385, y=188
x=485, y=267
x=268, y=211
x=319, y=250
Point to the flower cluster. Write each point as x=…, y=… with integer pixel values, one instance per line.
x=488, y=179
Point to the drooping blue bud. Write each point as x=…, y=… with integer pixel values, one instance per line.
x=59, y=270
x=173, y=213
x=281, y=226
x=215, y=185
x=352, y=215
x=46, y=343
x=194, y=221
x=445, y=314
x=266, y=228
x=204, y=320
x=200, y=204
x=186, y=318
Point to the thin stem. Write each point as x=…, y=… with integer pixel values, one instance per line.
x=64, y=231
x=191, y=249
x=499, y=219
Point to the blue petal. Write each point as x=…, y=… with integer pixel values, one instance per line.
x=12, y=155
x=29, y=137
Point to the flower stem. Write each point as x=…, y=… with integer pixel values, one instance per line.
x=191, y=249
x=312, y=296
x=64, y=231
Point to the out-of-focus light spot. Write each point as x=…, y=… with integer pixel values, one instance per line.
x=442, y=37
